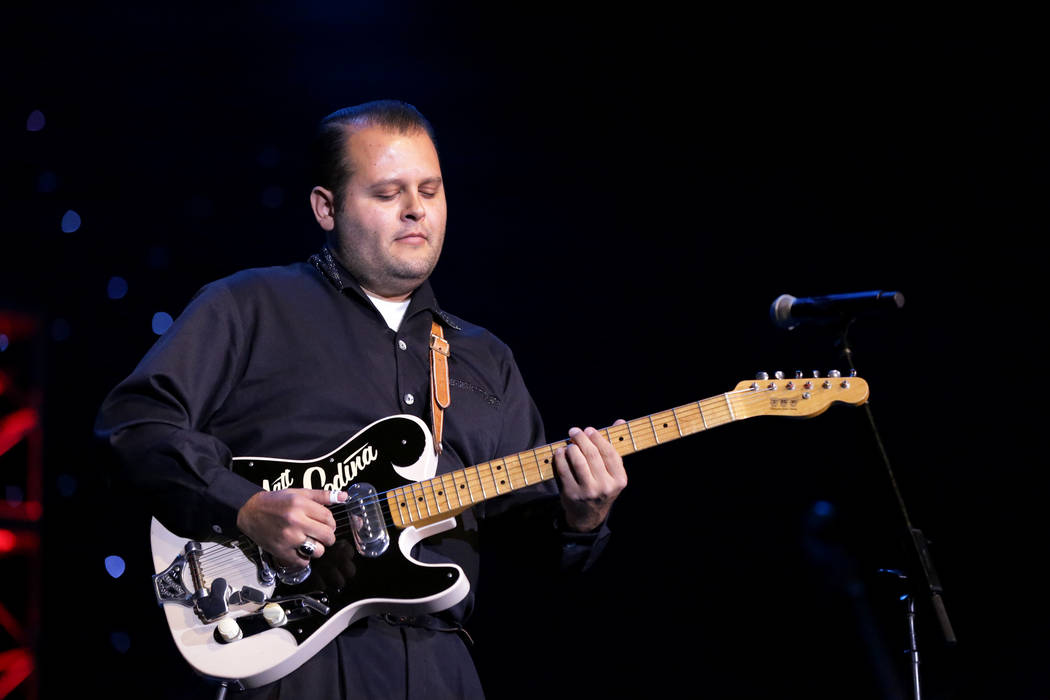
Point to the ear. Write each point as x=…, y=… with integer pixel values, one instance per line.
x=323, y=205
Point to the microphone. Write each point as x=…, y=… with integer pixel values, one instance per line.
x=789, y=312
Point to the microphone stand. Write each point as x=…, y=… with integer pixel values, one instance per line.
x=918, y=539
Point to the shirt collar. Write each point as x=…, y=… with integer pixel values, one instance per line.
x=340, y=278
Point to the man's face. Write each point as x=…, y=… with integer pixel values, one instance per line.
x=391, y=225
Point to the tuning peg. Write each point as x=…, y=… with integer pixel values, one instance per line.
x=762, y=376
x=778, y=374
x=798, y=374
x=816, y=374
x=834, y=374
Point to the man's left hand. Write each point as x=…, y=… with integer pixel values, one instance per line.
x=592, y=476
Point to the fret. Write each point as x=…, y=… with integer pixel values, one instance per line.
x=662, y=425
x=524, y=476
x=678, y=424
x=433, y=496
x=495, y=483
x=404, y=506
x=502, y=473
x=631, y=433
x=618, y=440
x=427, y=499
x=470, y=493
x=417, y=499
x=539, y=462
x=729, y=404
x=506, y=471
x=537, y=458
x=455, y=487
x=700, y=408
x=444, y=487
x=653, y=426
x=484, y=496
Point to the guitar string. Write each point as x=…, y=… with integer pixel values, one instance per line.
x=718, y=412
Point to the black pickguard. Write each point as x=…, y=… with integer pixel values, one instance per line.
x=370, y=457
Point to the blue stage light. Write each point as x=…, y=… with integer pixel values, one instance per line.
x=60, y=330
x=67, y=484
x=70, y=221
x=35, y=121
x=46, y=181
x=120, y=641
x=823, y=509
x=161, y=322
x=116, y=288
x=115, y=566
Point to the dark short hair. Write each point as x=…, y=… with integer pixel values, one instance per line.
x=331, y=168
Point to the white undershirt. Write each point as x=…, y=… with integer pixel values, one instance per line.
x=393, y=311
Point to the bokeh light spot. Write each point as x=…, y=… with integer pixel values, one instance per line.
x=35, y=121
x=115, y=566
x=120, y=641
x=70, y=221
x=161, y=322
x=116, y=288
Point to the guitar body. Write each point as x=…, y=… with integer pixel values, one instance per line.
x=386, y=455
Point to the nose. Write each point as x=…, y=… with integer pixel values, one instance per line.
x=413, y=209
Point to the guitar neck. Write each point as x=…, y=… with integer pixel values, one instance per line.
x=451, y=493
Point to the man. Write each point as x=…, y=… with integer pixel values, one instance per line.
x=287, y=362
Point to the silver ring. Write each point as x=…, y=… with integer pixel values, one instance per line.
x=307, y=548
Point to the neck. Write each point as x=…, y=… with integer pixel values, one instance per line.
x=385, y=297
x=398, y=293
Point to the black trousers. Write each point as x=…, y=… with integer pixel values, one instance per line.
x=376, y=659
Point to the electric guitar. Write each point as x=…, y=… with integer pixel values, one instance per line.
x=235, y=618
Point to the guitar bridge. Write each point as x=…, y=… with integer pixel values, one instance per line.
x=168, y=586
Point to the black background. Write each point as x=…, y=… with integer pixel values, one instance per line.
x=628, y=192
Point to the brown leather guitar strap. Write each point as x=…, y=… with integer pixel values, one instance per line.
x=440, y=396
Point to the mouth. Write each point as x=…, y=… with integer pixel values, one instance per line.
x=412, y=238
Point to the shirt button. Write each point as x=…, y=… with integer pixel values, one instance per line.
x=409, y=399
x=401, y=344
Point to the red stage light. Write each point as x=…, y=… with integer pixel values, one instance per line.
x=14, y=426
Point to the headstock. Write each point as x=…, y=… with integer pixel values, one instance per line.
x=799, y=397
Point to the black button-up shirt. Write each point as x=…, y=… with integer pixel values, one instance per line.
x=288, y=362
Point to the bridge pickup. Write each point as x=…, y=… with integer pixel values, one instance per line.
x=213, y=603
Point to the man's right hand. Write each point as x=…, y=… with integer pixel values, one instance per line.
x=280, y=521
